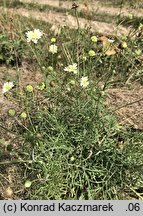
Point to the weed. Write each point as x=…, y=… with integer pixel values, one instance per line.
x=11, y=50
x=62, y=137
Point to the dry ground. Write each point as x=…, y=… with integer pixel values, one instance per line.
x=129, y=115
x=61, y=19
x=95, y=6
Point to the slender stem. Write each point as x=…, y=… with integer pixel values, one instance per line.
x=15, y=161
x=35, y=54
x=78, y=28
x=127, y=104
x=76, y=15
x=4, y=3
x=137, y=194
x=1, y=126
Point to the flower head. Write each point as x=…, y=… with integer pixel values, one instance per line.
x=72, y=158
x=140, y=26
x=7, y=87
x=124, y=45
x=50, y=68
x=41, y=86
x=34, y=35
x=94, y=38
x=72, y=82
x=53, y=40
x=68, y=88
x=28, y=184
x=84, y=82
x=130, y=16
x=11, y=112
x=29, y=88
x=71, y=68
x=84, y=58
x=138, y=52
x=53, y=49
x=91, y=53
x=23, y=115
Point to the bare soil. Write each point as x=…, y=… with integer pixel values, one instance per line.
x=62, y=20
x=127, y=104
x=95, y=6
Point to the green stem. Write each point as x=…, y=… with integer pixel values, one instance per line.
x=35, y=54
x=78, y=28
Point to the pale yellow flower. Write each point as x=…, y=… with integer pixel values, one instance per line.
x=7, y=87
x=72, y=82
x=124, y=45
x=41, y=86
x=71, y=68
x=11, y=112
x=140, y=26
x=50, y=68
x=94, y=38
x=34, y=35
x=84, y=58
x=91, y=53
x=72, y=158
x=23, y=115
x=29, y=88
x=53, y=49
x=68, y=88
x=138, y=51
x=53, y=40
x=84, y=82
x=130, y=16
